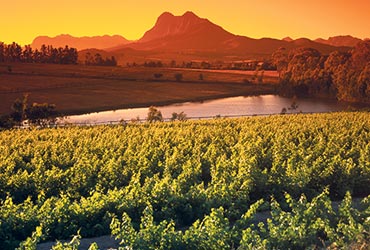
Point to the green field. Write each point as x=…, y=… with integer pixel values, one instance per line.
x=77, y=89
x=191, y=185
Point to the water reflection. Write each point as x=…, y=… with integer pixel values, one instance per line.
x=233, y=106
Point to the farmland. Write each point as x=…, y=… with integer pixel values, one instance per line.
x=191, y=184
x=77, y=89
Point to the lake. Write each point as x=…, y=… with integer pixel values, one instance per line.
x=233, y=106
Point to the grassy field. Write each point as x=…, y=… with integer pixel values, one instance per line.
x=78, y=89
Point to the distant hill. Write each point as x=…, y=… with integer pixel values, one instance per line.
x=323, y=48
x=338, y=41
x=96, y=42
x=191, y=34
x=287, y=39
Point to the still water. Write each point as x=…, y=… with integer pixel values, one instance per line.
x=233, y=106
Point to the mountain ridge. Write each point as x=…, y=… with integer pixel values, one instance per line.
x=342, y=40
x=81, y=43
x=190, y=35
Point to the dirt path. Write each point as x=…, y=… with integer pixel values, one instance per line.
x=104, y=243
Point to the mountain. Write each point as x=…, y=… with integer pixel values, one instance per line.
x=186, y=32
x=287, y=39
x=190, y=34
x=169, y=25
x=338, y=41
x=97, y=42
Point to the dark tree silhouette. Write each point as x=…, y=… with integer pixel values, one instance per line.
x=97, y=60
x=2, y=52
x=154, y=115
x=47, y=54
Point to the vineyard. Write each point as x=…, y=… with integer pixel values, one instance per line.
x=191, y=184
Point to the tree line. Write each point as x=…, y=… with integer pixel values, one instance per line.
x=98, y=60
x=233, y=65
x=47, y=54
x=344, y=75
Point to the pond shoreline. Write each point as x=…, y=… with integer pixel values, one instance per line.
x=223, y=106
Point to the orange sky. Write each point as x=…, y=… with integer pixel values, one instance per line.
x=22, y=20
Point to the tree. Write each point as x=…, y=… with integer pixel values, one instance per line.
x=280, y=59
x=42, y=114
x=113, y=61
x=27, y=54
x=19, y=108
x=158, y=75
x=2, y=51
x=178, y=116
x=70, y=55
x=178, y=77
x=37, y=114
x=98, y=60
x=304, y=73
x=89, y=59
x=350, y=72
x=260, y=77
x=154, y=115
x=44, y=53
x=173, y=64
x=205, y=65
x=344, y=75
x=47, y=54
x=14, y=52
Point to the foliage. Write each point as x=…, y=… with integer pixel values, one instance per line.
x=178, y=77
x=72, y=178
x=178, y=116
x=158, y=75
x=72, y=245
x=213, y=232
x=98, y=60
x=304, y=225
x=150, y=235
x=345, y=75
x=31, y=242
x=47, y=54
x=154, y=115
x=40, y=115
x=309, y=225
x=19, y=108
x=153, y=64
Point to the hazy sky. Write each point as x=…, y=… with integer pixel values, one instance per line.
x=23, y=20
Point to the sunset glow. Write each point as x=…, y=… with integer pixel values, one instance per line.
x=23, y=20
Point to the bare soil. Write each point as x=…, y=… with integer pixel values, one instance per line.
x=104, y=243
